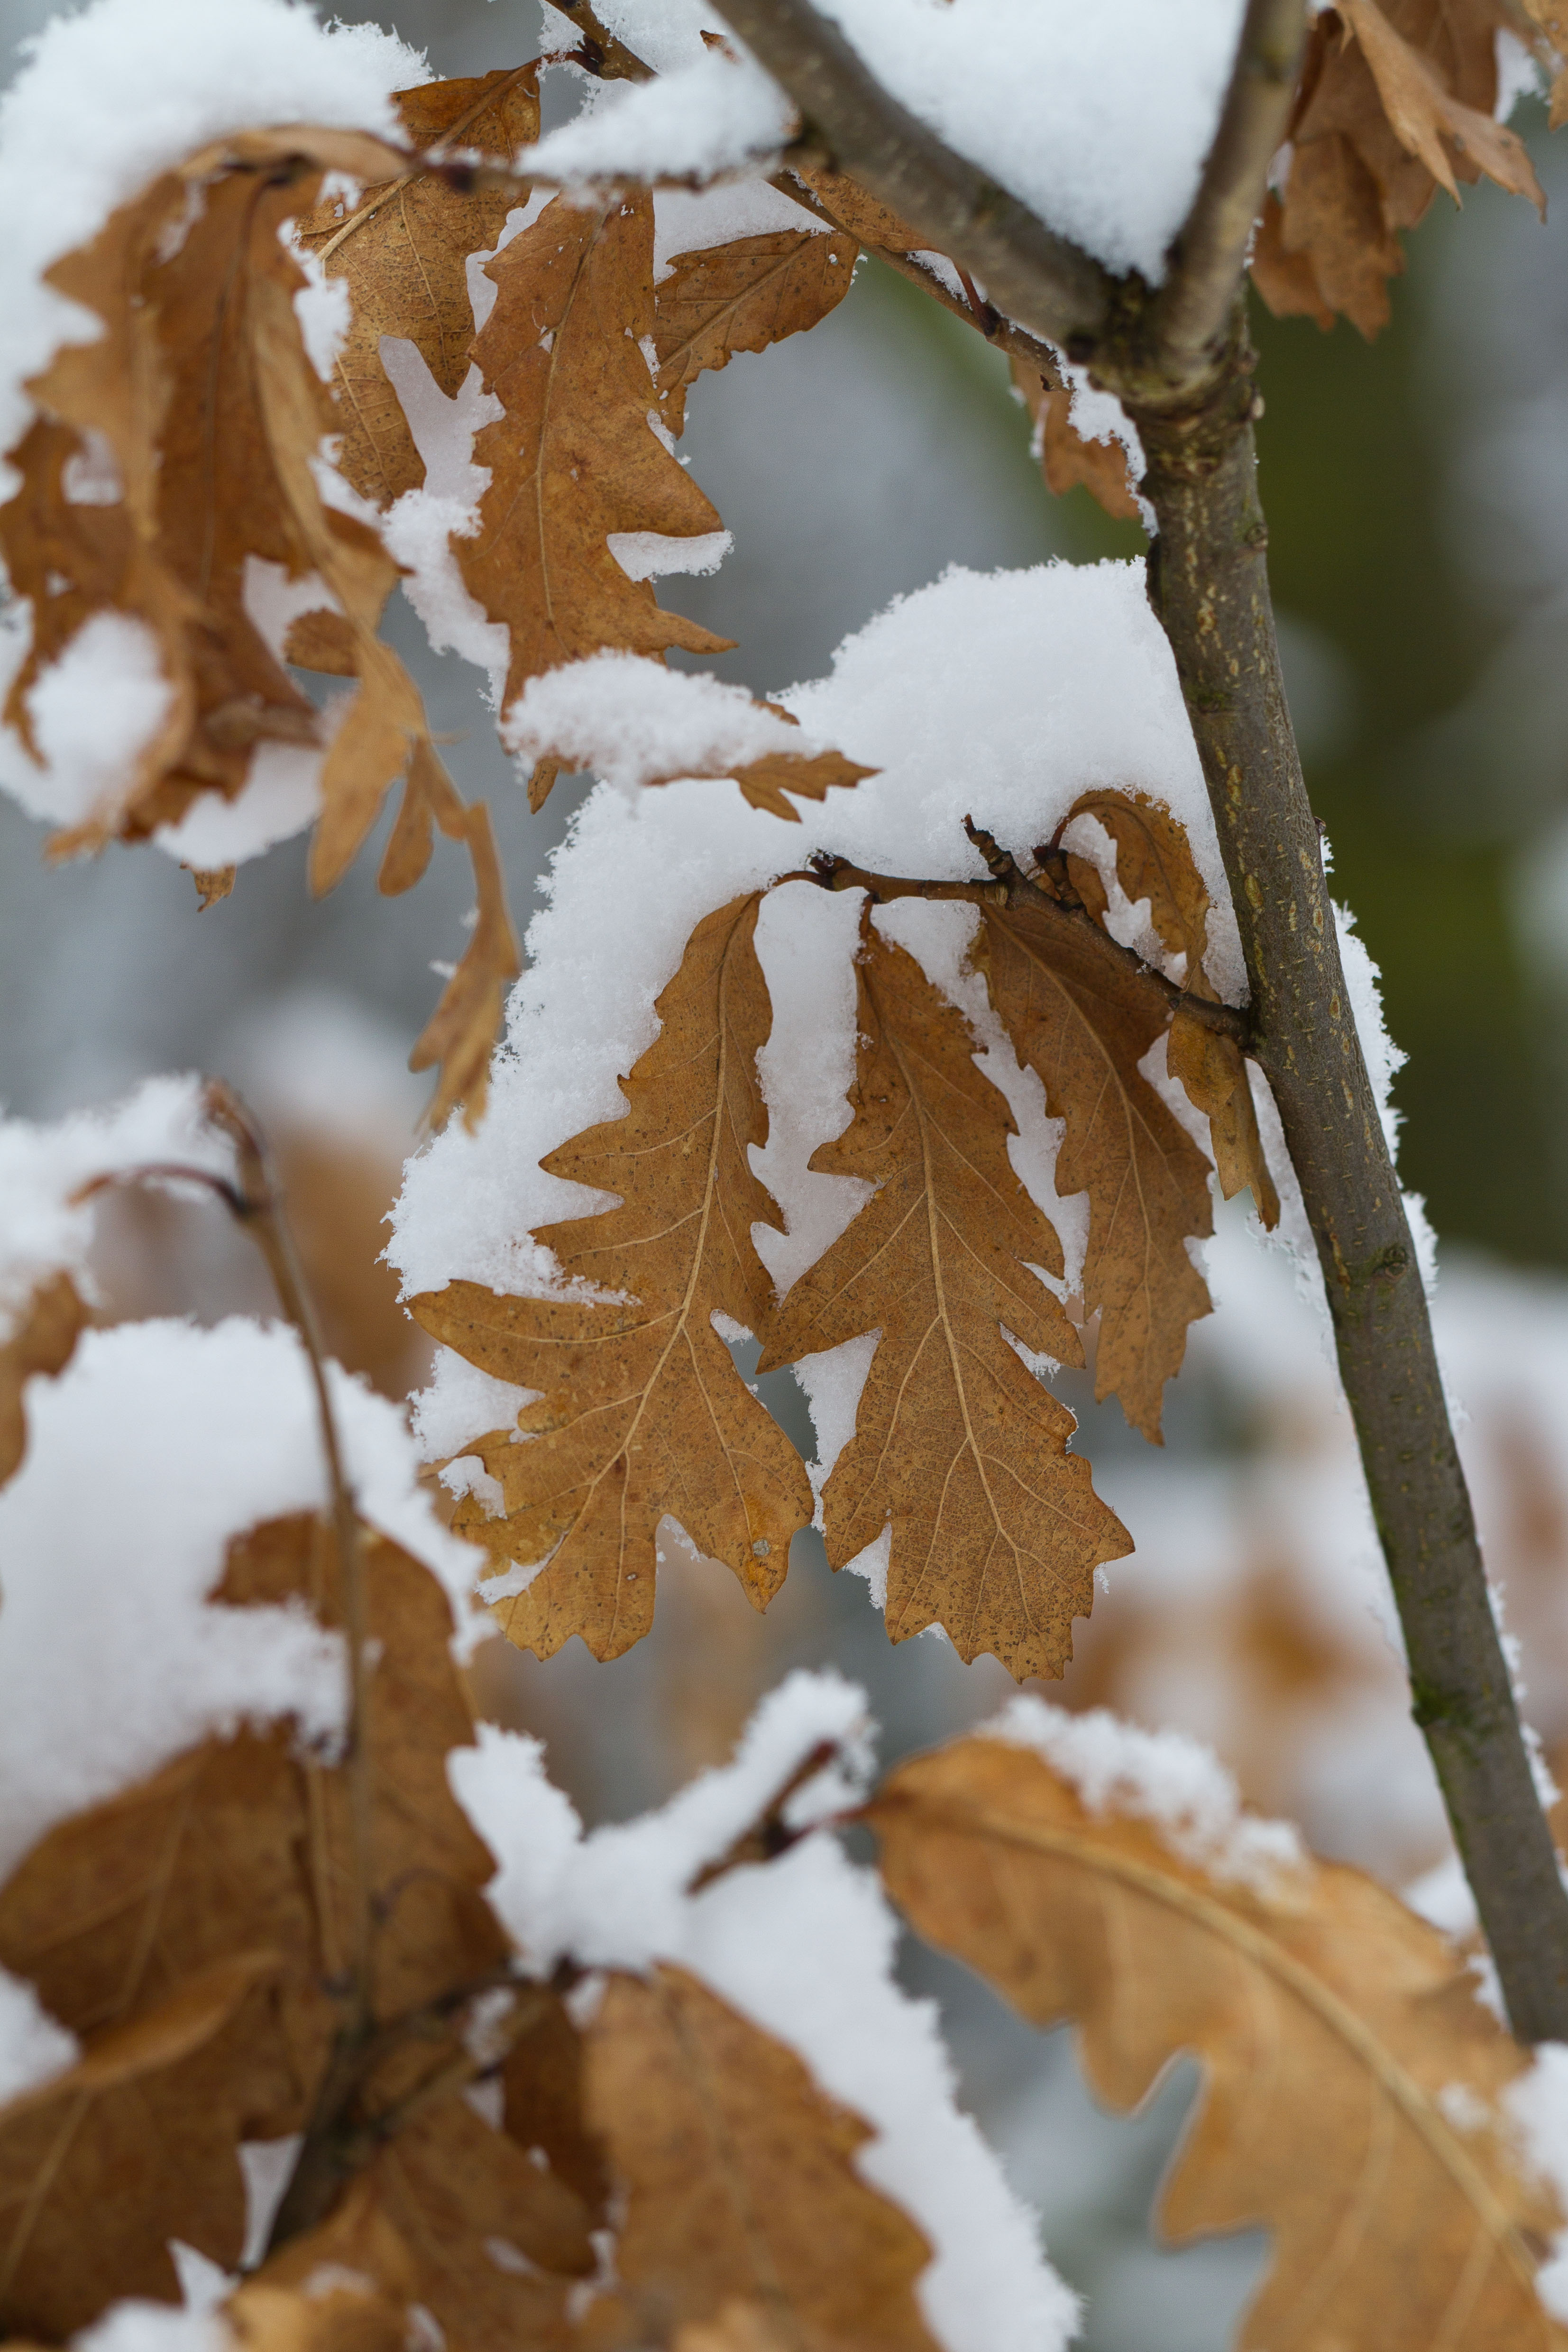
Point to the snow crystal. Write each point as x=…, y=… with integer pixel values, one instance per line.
x=34, y=2046
x=125, y=88
x=157, y=1443
x=41, y=1232
x=1160, y=1776
x=805, y=1947
x=716, y=114
x=633, y=721
x=1099, y=118
x=1065, y=682
x=1537, y=2106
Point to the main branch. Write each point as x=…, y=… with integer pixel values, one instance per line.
x=1180, y=361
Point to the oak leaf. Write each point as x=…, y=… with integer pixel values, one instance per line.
x=741, y=297
x=642, y=1410
x=740, y=2186
x=1345, y=2054
x=42, y=1337
x=1155, y=861
x=125, y=1916
x=1084, y=1019
x=1392, y=102
x=575, y=458
x=996, y=1528
x=1551, y=17
x=403, y=252
x=1066, y=458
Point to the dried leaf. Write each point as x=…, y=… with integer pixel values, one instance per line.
x=812, y=774
x=862, y=214
x=1552, y=15
x=207, y=414
x=1422, y=113
x=461, y=1030
x=344, y=2287
x=123, y=1915
x=1287, y=281
x=997, y=1530
x=45, y=1335
x=541, y=2082
x=642, y=1411
x=1155, y=861
x=403, y=252
x=1392, y=101
x=741, y=2184
x=1341, y=2044
x=135, y=2145
x=1066, y=457
x=741, y=297
x=212, y=883
x=575, y=458
x=1084, y=1019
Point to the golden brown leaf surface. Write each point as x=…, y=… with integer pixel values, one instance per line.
x=45, y=1333
x=741, y=297
x=1155, y=861
x=1336, y=2032
x=403, y=252
x=997, y=1530
x=574, y=458
x=1066, y=458
x=741, y=2188
x=1392, y=101
x=231, y=1869
x=1084, y=1019
x=642, y=1411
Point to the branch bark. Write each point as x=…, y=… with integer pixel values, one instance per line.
x=1182, y=365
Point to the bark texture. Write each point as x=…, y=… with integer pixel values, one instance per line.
x=1209, y=583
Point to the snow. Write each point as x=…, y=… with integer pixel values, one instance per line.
x=125, y=88
x=717, y=113
x=1066, y=682
x=1537, y=2106
x=94, y=711
x=137, y=2326
x=1160, y=1776
x=41, y=1232
x=156, y=1445
x=634, y=722
x=805, y=1947
x=34, y=2046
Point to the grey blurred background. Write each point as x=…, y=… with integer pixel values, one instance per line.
x=1418, y=503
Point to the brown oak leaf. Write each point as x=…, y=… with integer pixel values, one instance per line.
x=741, y=297
x=996, y=1528
x=42, y=1337
x=642, y=1410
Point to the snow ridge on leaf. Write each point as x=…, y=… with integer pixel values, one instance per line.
x=997, y=1530
x=642, y=1411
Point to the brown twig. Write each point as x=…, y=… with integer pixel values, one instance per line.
x=1192, y=310
x=769, y=1836
x=1011, y=888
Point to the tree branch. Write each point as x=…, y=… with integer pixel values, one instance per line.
x=1192, y=311
x=1040, y=280
x=1187, y=385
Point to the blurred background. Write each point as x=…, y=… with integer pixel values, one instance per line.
x=1417, y=499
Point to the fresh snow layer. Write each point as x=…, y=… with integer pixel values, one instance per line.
x=1162, y=1778
x=157, y=1445
x=805, y=1947
x=633, y=721
x=718, y=113
x=1098, y=118
x=1065, y=682
x=125, y=88
x=1538, y=2107
x=42, y=1232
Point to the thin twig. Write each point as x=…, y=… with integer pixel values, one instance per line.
x=1193, y=308
x=1010, y=887
x=769, y=1836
